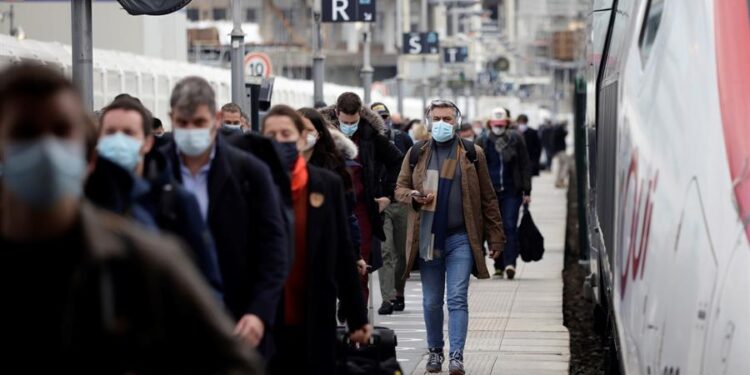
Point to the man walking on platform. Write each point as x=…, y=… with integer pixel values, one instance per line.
x=376, y=155
x=533, y=143
x=392, y=281
x=239, y=202
x=508, y=163
x=454, y=210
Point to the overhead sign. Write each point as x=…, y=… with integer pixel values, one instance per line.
x=455, y=55
x=348, y=11
x=420, y=43
x=258, y=64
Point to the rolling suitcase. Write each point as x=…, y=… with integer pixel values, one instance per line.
x=376, y=358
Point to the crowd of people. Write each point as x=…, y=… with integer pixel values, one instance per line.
x=150, y=251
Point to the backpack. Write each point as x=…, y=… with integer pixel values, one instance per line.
x=471, y=152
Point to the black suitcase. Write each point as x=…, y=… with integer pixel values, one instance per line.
x=377, y=357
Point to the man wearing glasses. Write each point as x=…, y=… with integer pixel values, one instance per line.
x=448, y=186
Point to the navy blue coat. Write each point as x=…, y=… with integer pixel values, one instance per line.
x=115, y=189
x=245, y=219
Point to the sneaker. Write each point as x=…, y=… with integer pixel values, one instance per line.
x=499, y=272
x=456, y=365
x=435, y=360
x=511, y=272
x=386, y=308
x=399, y=304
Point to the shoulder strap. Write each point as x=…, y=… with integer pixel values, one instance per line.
x=414, y=153
x=471, y=150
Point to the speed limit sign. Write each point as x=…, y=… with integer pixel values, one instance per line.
x=258, y=64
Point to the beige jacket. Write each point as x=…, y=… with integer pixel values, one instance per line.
x=481, y=212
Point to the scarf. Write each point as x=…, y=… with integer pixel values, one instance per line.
x=505, y=144
x=433, y=226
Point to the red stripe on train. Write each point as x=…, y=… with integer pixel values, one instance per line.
x=733, y=63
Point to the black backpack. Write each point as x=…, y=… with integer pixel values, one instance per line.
x=530, y=240
x=471, y=152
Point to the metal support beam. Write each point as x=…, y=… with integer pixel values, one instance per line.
x=83, y=68
x=366, y=72
x=238, y=55
x=318, y=57
x=425, y=83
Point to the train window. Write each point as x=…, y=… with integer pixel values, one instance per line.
x=131, y=84
x=651, y=23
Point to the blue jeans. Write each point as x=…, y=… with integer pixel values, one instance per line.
x=510, y=205
x=457, y=262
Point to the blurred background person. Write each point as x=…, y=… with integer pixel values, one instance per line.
x=231, y=115
x=533, y=143
x=510, y=173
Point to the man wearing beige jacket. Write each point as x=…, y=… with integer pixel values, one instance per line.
x=454, y=211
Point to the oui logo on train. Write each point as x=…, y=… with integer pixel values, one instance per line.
x=636, y=208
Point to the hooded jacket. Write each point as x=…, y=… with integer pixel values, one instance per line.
x=376, y=153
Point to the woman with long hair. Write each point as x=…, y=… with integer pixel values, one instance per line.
x=322, y=267
x=332, y=150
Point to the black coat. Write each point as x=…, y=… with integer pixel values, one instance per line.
x=161, y=204
x=534, y=147
x=245, y=219
x=331, y=273
x=376, y=153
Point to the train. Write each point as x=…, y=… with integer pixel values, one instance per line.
x=667, y=183
x=152, y=79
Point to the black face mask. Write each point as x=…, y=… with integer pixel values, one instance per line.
x=288, y=153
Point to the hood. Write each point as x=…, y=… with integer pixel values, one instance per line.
x=365, y=113
x=346, y=146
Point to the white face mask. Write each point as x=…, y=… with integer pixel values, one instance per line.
x=497, y=130
x=523, y=127
x=311, y=140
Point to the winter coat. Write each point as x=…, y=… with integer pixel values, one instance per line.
x=519, y=165
x=160, y=203
x=245, y=219
x=349, y=152
x=135, y=304
x=480, y=209
x=331, y=272
x=376, y=153
x=534, y=147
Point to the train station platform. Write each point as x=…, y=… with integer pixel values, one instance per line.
x=515, y=326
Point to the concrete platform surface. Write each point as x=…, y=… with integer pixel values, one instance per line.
x=515, y=326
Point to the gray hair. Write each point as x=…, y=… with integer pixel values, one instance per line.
x=442, y=103
x=190, y=93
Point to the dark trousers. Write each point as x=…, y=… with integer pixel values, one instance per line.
x=510, y=206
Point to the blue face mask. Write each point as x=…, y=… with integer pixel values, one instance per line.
x=121, y=149
x=349, y=129
x=229, y=126
x=42, y=172
x=193, y=142
x=442, y=131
